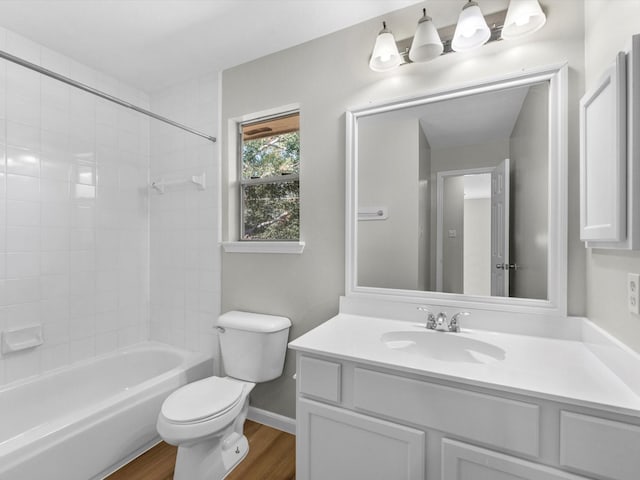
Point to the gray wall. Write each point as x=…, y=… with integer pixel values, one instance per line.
x=452, y=245
x=609, y=26
x=388, y=176
x=326, y=77
x=528, y=151
x=477, y=246
x=424, y=209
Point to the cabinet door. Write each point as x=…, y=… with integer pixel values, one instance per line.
x=603, y=157
x=337, y=444
x=466, y=462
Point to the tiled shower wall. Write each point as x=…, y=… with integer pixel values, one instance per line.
x=185, y=252
x=74, y=236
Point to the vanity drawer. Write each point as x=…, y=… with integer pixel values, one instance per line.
x=320, y=379
x=495, y=421
x=599, y=446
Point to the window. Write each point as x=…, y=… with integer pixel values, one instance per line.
x=269, y=178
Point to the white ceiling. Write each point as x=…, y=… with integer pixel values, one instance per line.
x=473, y=119
x=151, y=44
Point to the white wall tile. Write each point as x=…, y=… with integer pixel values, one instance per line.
x=55, y=356
x=55, y=310
x=106, y=342
x=22, y=214
x=185, y=259
x=22, y=290
x=54, y=191
x=56, y=333
x=20, y=187
x=21, y=365
x=23, y=239
x=22, y=315
x=74, y=212
x=23, y=109
x=23, y=136
x=54, y=118
x=54, y=286
x=22, y=265
x=55, y=214
x=81, y=349
x=54, y=263
x=22, y=161
x=20, y=81
x=54, y=239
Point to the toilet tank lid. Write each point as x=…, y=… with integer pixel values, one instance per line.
x=253, y=322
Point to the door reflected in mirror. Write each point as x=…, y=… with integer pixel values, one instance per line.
x=463, y=185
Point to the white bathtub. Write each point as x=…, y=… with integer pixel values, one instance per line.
x=84, y=421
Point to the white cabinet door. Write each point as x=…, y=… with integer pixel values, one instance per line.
x=466, y=462
x=603, y=157
x=336, y=444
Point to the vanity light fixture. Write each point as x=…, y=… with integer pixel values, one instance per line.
x=523, y=17
x=426, y=44
x=385, y=55
x=472, y=30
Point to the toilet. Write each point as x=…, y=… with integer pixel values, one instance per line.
x=205, y=418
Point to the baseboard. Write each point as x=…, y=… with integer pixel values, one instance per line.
x=272, y=420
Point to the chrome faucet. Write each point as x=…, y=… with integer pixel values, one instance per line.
x=439, y=322
x=431, y=318
x=454, y=324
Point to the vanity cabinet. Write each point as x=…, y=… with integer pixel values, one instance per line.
x=343, y=445
x=358, y=421
x=466, y=462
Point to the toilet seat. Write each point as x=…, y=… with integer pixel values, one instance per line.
x=202, y=400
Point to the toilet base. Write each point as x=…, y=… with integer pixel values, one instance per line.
x=234, y=455
x=210, y=460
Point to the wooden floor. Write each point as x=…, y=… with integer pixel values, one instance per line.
x=272, y=456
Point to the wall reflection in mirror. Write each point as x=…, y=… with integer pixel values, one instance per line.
x=453, y=195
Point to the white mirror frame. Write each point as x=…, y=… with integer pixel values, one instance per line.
x=556, y=304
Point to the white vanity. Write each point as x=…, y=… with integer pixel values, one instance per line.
x=388, y=399
x=522, y=391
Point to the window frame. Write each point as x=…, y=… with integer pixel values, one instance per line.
x=272, y=180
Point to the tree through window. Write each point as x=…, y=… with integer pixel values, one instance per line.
x=270, y=182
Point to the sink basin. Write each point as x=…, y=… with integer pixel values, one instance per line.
x=447, y=347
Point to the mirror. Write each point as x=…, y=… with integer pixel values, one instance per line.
x=450, y=195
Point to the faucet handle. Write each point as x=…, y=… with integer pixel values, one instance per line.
x=454, y=324
x=431, y=318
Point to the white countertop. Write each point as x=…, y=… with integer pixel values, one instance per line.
x=555, y=369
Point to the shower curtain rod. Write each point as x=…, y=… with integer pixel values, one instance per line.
x=106, y=96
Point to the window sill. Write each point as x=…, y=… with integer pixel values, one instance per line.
x=263, y=247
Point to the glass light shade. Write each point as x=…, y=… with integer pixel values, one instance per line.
x=426, y=44
x=523, y=17
x=472, y=30
x=385, y=54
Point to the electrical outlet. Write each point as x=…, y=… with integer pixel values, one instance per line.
x=633, y=293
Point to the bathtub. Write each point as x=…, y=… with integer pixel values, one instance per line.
x=85, y=421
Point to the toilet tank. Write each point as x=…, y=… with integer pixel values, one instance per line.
x=253, y=345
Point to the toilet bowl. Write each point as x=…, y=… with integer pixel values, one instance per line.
x=205, y=419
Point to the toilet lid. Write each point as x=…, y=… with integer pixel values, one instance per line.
x=201, y=400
